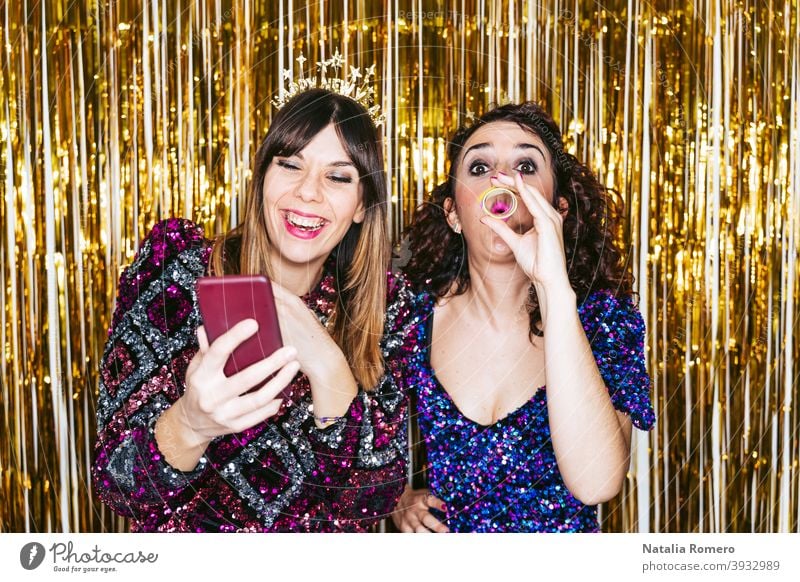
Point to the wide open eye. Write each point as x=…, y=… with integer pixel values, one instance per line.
x=527, y=167
x=478, y=168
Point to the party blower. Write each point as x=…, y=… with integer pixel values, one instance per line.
x=499, y=202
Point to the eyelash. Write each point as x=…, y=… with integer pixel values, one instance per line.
x=287, y=165
x=341, y=179
x=479, y=163
x=338, y=179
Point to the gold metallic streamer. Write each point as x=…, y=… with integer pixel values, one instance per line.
x=115, y=114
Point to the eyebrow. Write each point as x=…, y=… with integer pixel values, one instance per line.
x=338, y=164
x=519, y=146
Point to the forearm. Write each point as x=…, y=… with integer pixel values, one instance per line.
x=181, y=446
x=588, y=440
x=333, y=388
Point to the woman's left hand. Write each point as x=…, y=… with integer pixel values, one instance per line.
x=333, y=385
x=316, y=350
x=540, y=250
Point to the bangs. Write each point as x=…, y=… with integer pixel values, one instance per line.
x=301, y=127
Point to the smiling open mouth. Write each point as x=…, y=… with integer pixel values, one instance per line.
x=304, y=223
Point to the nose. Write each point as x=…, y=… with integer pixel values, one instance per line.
x=504, y=168
x=308, y=188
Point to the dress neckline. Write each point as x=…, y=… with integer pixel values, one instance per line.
x=449, y=399
x=474, y=422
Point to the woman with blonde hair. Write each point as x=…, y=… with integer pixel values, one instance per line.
x=182, y=447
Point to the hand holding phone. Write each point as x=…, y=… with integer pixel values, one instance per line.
x=214, y=404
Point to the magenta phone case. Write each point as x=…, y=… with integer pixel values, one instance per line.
x=225, y=301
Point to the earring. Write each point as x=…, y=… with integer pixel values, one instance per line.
x=456, y=228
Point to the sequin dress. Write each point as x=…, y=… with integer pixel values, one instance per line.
x=504, y=477
x=284, y=474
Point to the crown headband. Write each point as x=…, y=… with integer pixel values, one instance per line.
x=355, y=85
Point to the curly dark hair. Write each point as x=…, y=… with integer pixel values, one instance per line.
x=595, y=259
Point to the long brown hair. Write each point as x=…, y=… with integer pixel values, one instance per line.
x=595, y=259
x=360, y=258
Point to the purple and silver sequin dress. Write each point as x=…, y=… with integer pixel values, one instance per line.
x=284, y=474
x=504, y=477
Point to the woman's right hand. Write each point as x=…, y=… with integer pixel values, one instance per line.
x=413, y=515
x=214, y=404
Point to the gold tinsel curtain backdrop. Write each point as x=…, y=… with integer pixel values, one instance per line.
x=116, y=114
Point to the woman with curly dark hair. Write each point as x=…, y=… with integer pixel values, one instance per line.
x=521, y=289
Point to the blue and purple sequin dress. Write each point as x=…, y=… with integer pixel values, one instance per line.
x=504, y=477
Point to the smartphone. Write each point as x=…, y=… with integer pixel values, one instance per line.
x=225, y=301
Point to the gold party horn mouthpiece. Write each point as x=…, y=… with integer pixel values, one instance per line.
x=499, y=202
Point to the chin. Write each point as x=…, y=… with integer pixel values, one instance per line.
x=502, y=255
x=300, y=255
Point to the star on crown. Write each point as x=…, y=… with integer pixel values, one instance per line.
x=355, y=84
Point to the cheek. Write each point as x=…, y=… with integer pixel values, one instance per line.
x=346, y=207
x=270, y=194
x=468, y=201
